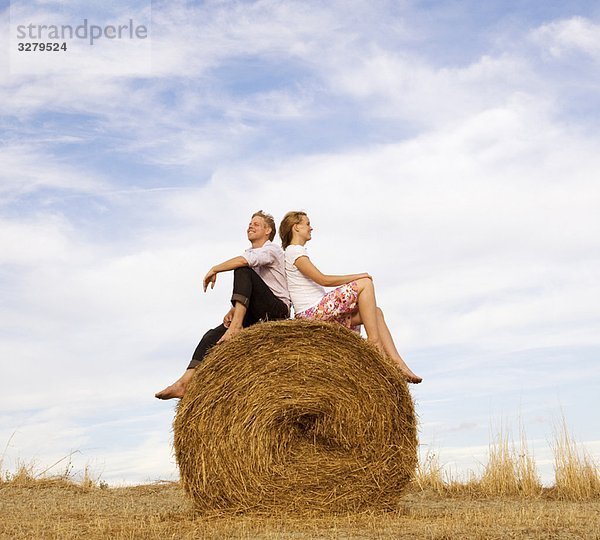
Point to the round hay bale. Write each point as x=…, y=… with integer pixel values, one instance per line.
x=297, y=416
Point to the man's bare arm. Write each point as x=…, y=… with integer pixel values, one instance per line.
x=231, y=264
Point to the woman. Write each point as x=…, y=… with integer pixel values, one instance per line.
x=353, y=301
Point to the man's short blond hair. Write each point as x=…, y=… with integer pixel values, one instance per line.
x=268, y=218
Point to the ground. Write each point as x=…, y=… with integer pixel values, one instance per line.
x=59, y=509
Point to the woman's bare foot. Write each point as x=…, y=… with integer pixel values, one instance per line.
x=407, y=372
x=410, y=376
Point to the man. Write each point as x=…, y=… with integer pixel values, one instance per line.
x=259, y=293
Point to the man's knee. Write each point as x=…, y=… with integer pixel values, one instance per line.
x=242, y=270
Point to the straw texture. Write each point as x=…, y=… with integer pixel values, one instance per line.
x=295, y=416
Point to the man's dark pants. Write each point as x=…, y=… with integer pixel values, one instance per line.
x=260, y=302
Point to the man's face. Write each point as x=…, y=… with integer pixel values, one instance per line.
x=258, y=229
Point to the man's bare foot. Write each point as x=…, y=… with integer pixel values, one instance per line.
x=176, y=390
x=231, y=331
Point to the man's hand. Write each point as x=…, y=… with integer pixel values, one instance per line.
x=231, y=331
x=210, y=277
x=228, y=318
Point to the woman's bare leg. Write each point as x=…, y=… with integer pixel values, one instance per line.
x=390, y=348
x=377, y=330
x=367, y=309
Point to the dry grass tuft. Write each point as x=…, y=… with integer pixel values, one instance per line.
x=296, y=416
x=430, y=474
x=576, y=474
x=26, y=475
x=510, y=470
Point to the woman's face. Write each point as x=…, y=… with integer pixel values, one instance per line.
x=303, y=229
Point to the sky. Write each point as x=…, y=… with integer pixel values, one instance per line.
x=447, y=148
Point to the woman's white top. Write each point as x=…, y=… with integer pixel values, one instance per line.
x=304, y=292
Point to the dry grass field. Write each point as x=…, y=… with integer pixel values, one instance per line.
x=505, y=501
x=63, y=510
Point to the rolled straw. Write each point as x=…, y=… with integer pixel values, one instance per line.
x=295, y=416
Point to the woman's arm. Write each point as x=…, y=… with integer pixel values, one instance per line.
x=305, y=266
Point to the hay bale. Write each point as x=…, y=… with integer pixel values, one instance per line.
x=296, y=416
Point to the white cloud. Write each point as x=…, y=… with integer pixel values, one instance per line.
x=27, y=168
x=398, y=85
x=486, y=232
x=29, y=243
x=567, y=36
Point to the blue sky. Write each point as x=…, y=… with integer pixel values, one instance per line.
x=448, y=148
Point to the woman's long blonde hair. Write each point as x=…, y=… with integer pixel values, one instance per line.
x=285, y=227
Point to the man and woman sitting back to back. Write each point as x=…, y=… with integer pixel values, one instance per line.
x=268, y=281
